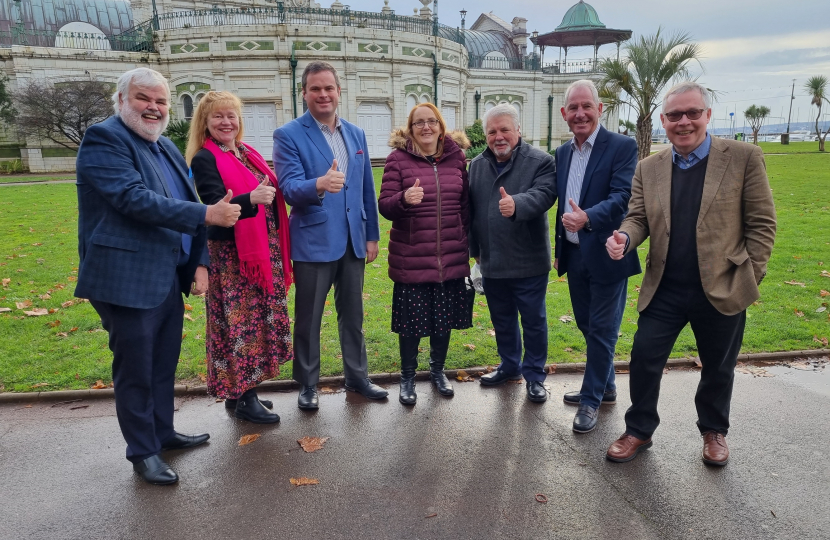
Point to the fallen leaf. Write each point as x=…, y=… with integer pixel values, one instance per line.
x=462, y=376
x=822, y=340
x=698, y=363
x=188, y=317
x=303, y=481
x=568, y=349
x=46, y=296
x=53, y=324
x=551, y=369
x=327, y=390
x=566, y=318
x=312, y=444
x=540, y=498
x=67, y=304
x=53, y=310
x=5, y=309
x=824, y=293
x=62, y=334
x=73, y=329
x=38, y=385
x=71, y=278
x=23, y=304
x=327, y=312
x=248, y=439
x=636, y=288
x=37, y=312
x=188, y=307
x=563, y=279
x=794, y=282
x=825, y=273
x=491, y=332
x=432, y=515
x=202, y=377
x=822, y=309
x=99, y=385
x=6, y=281
x=797, y=313
x=470, y=346
x=773, y=514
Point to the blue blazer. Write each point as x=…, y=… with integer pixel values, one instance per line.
x=606, y=189
x=129, y=226
x=319, y=228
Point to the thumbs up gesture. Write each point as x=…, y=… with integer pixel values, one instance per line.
x=332, y=181
x=264, y=193
x=615, y=245
x=223, y=213
x=507, y=206
x=576, y=219
x=415, y=194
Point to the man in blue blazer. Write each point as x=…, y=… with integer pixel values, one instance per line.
x=142, y=242
x=594, y=172
x=323, y=169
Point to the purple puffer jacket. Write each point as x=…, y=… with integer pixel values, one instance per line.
x=428, y=241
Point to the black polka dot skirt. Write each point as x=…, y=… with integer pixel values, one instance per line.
x=427, y=309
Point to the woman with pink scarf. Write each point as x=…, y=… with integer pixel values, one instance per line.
x=248, y=330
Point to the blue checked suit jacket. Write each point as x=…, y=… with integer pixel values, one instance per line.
x=129, y=227
x=606, y=189
x=320, y=229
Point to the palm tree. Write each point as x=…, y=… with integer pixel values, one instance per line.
x=817, y=88
x=638, y=79
x=756, y=115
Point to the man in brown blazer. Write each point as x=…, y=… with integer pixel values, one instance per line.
x=707, y=208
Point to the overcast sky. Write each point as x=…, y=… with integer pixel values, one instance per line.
x=753, y=49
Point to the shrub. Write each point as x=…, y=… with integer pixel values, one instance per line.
x=11, y=166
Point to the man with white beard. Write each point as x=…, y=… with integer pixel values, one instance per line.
x=142, y=242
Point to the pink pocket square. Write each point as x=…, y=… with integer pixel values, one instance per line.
x=360, y=151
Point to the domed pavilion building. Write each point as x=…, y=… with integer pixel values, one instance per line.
x=387, y=62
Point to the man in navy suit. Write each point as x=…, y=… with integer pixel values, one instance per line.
x=324, y=173
x=594, y=172
x=142, y=242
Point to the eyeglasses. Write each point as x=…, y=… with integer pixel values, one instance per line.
x=691, y=114
x=421, y=123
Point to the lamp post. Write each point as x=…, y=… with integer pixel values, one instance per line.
x=477, y=97
x=435, y=71
x=550, y=120
x=463, y=17
x=533, y=39
x=293, y=62
x=156, y=16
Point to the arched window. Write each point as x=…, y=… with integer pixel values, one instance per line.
x=199, y=98
x=425, y=98
x=187, y=103
x=81, y=35
x=495, y=60
x=411, y=101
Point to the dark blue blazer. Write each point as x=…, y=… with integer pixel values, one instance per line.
x=606, y=189
x=320, y=229
x=129, y=226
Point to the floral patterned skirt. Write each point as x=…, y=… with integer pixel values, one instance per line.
x=430, y=309
x=248, y=331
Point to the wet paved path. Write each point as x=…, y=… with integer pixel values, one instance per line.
x=475, y=462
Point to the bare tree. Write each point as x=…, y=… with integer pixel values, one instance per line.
x=756, y=115
x=61, y=112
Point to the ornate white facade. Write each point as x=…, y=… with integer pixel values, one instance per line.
x=385, y=61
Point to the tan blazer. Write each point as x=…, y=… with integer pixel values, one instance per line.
x=735, y=226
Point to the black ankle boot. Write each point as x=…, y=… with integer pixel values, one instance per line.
x=409, y=363
x=248, y=407
x=438, y=346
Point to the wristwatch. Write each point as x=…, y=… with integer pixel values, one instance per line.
x=587, y=226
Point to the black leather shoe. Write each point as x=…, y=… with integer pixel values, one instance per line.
x=252, y=410
x=536, y=392
x=230, y=404
x=408, y=395
x=179, y=441
x=367, y=388
x=585, y=419
x=498, y=377
x=155, y=470
x=441, y=382
x=574, y=397
x=308, y=400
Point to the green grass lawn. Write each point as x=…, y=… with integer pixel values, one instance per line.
x=68, y=349
x=800, y=147
x=16, y=179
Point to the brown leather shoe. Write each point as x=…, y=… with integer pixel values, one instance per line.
x=715, y=451
x=626, y=448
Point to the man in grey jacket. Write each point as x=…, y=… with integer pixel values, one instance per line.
x=512, y=187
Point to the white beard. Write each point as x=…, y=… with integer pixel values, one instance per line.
x=135, y=122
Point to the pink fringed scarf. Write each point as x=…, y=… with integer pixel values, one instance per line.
x=251, y=234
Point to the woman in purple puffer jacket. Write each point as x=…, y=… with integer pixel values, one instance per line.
x=425, y=193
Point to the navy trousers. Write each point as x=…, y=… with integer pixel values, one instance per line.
x=145, y=345
x=506, y=299
x=598, y=310
x=718, y=338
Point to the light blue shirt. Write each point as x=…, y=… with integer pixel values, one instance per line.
x=695, y=156
x=576, y=175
